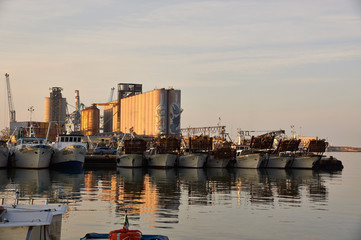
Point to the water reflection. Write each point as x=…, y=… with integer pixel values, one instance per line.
x=153, y=197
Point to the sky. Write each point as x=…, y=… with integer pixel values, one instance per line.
x=250, y=65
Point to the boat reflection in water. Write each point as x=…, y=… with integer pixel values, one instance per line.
x=154, y=198
x=31, y=181
x=4, y=180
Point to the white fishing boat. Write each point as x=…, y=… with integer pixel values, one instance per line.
x=69, y=151
x=283, y=156
x=196, y=152
x=131, y=153
x=214, y=162
x=308, y=159
x=162, y=160
x=31, y=152
x=192, y=160
x=278, y=160
x=130, y=160
x=164, y=154
x=248, y=159
x=304, y=161
x=23, y=222
x=256, y=154
x=4, y=154
x=221, y=156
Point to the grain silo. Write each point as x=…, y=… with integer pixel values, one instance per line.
x=89, y=124
x=55, y=106
x=152, y=113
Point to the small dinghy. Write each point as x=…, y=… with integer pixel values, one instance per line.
x=124, y=234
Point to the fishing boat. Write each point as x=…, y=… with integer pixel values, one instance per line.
x=249, y=159
x=221, y=154
x=4, y=154
x=165, y=153
x=283, y=155
x=69, y=151
x=196, y=154
x=131, y=153
x=23, y=222
x=308, y=158
x=31, y=152
x=255, y=155
x=123, y=234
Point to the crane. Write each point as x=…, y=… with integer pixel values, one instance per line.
x=12, y=115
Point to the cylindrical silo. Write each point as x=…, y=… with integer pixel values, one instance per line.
x=174, y=111
x=55, y=106
x=90, y=121
x=47, y=110
x=160, y=100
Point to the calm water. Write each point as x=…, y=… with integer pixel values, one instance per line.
x=202, y=204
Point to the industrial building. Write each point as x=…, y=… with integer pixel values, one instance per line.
x=54, y=118
x=55, y=106
x=152, y=113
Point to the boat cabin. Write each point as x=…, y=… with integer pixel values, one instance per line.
x=31, y=141
x=67, y=138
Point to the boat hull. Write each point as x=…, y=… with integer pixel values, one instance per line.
x=277, y=161
x=4, y=156
x=249, y=160
x=193, y=160
x=35, y=157
x=32, y=222
x=130, y=161
x=162, y=160
x=69, y=157
x=304, y=162
x=217, y=162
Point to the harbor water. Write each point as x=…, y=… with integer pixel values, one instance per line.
x=201, y=203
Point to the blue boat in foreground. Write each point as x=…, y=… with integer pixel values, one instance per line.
x=123, y=234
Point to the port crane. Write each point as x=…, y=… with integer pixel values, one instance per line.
x=12, y=115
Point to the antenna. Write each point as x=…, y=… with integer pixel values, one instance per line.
x=31, y=110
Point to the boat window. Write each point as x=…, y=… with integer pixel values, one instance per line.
x=79, y=139
x=66, y=139
x=62, y=139
x=70, y=139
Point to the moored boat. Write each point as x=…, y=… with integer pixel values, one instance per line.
x=165, y=153
x=248, y=159
x=283, y=155
x=196, y=154
x=123, y=234
x=31, y=221
x=308, y=159
x=31, y=152
x=131, y=154
x=255, y=156
x=69, y=151
x=221, y=154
